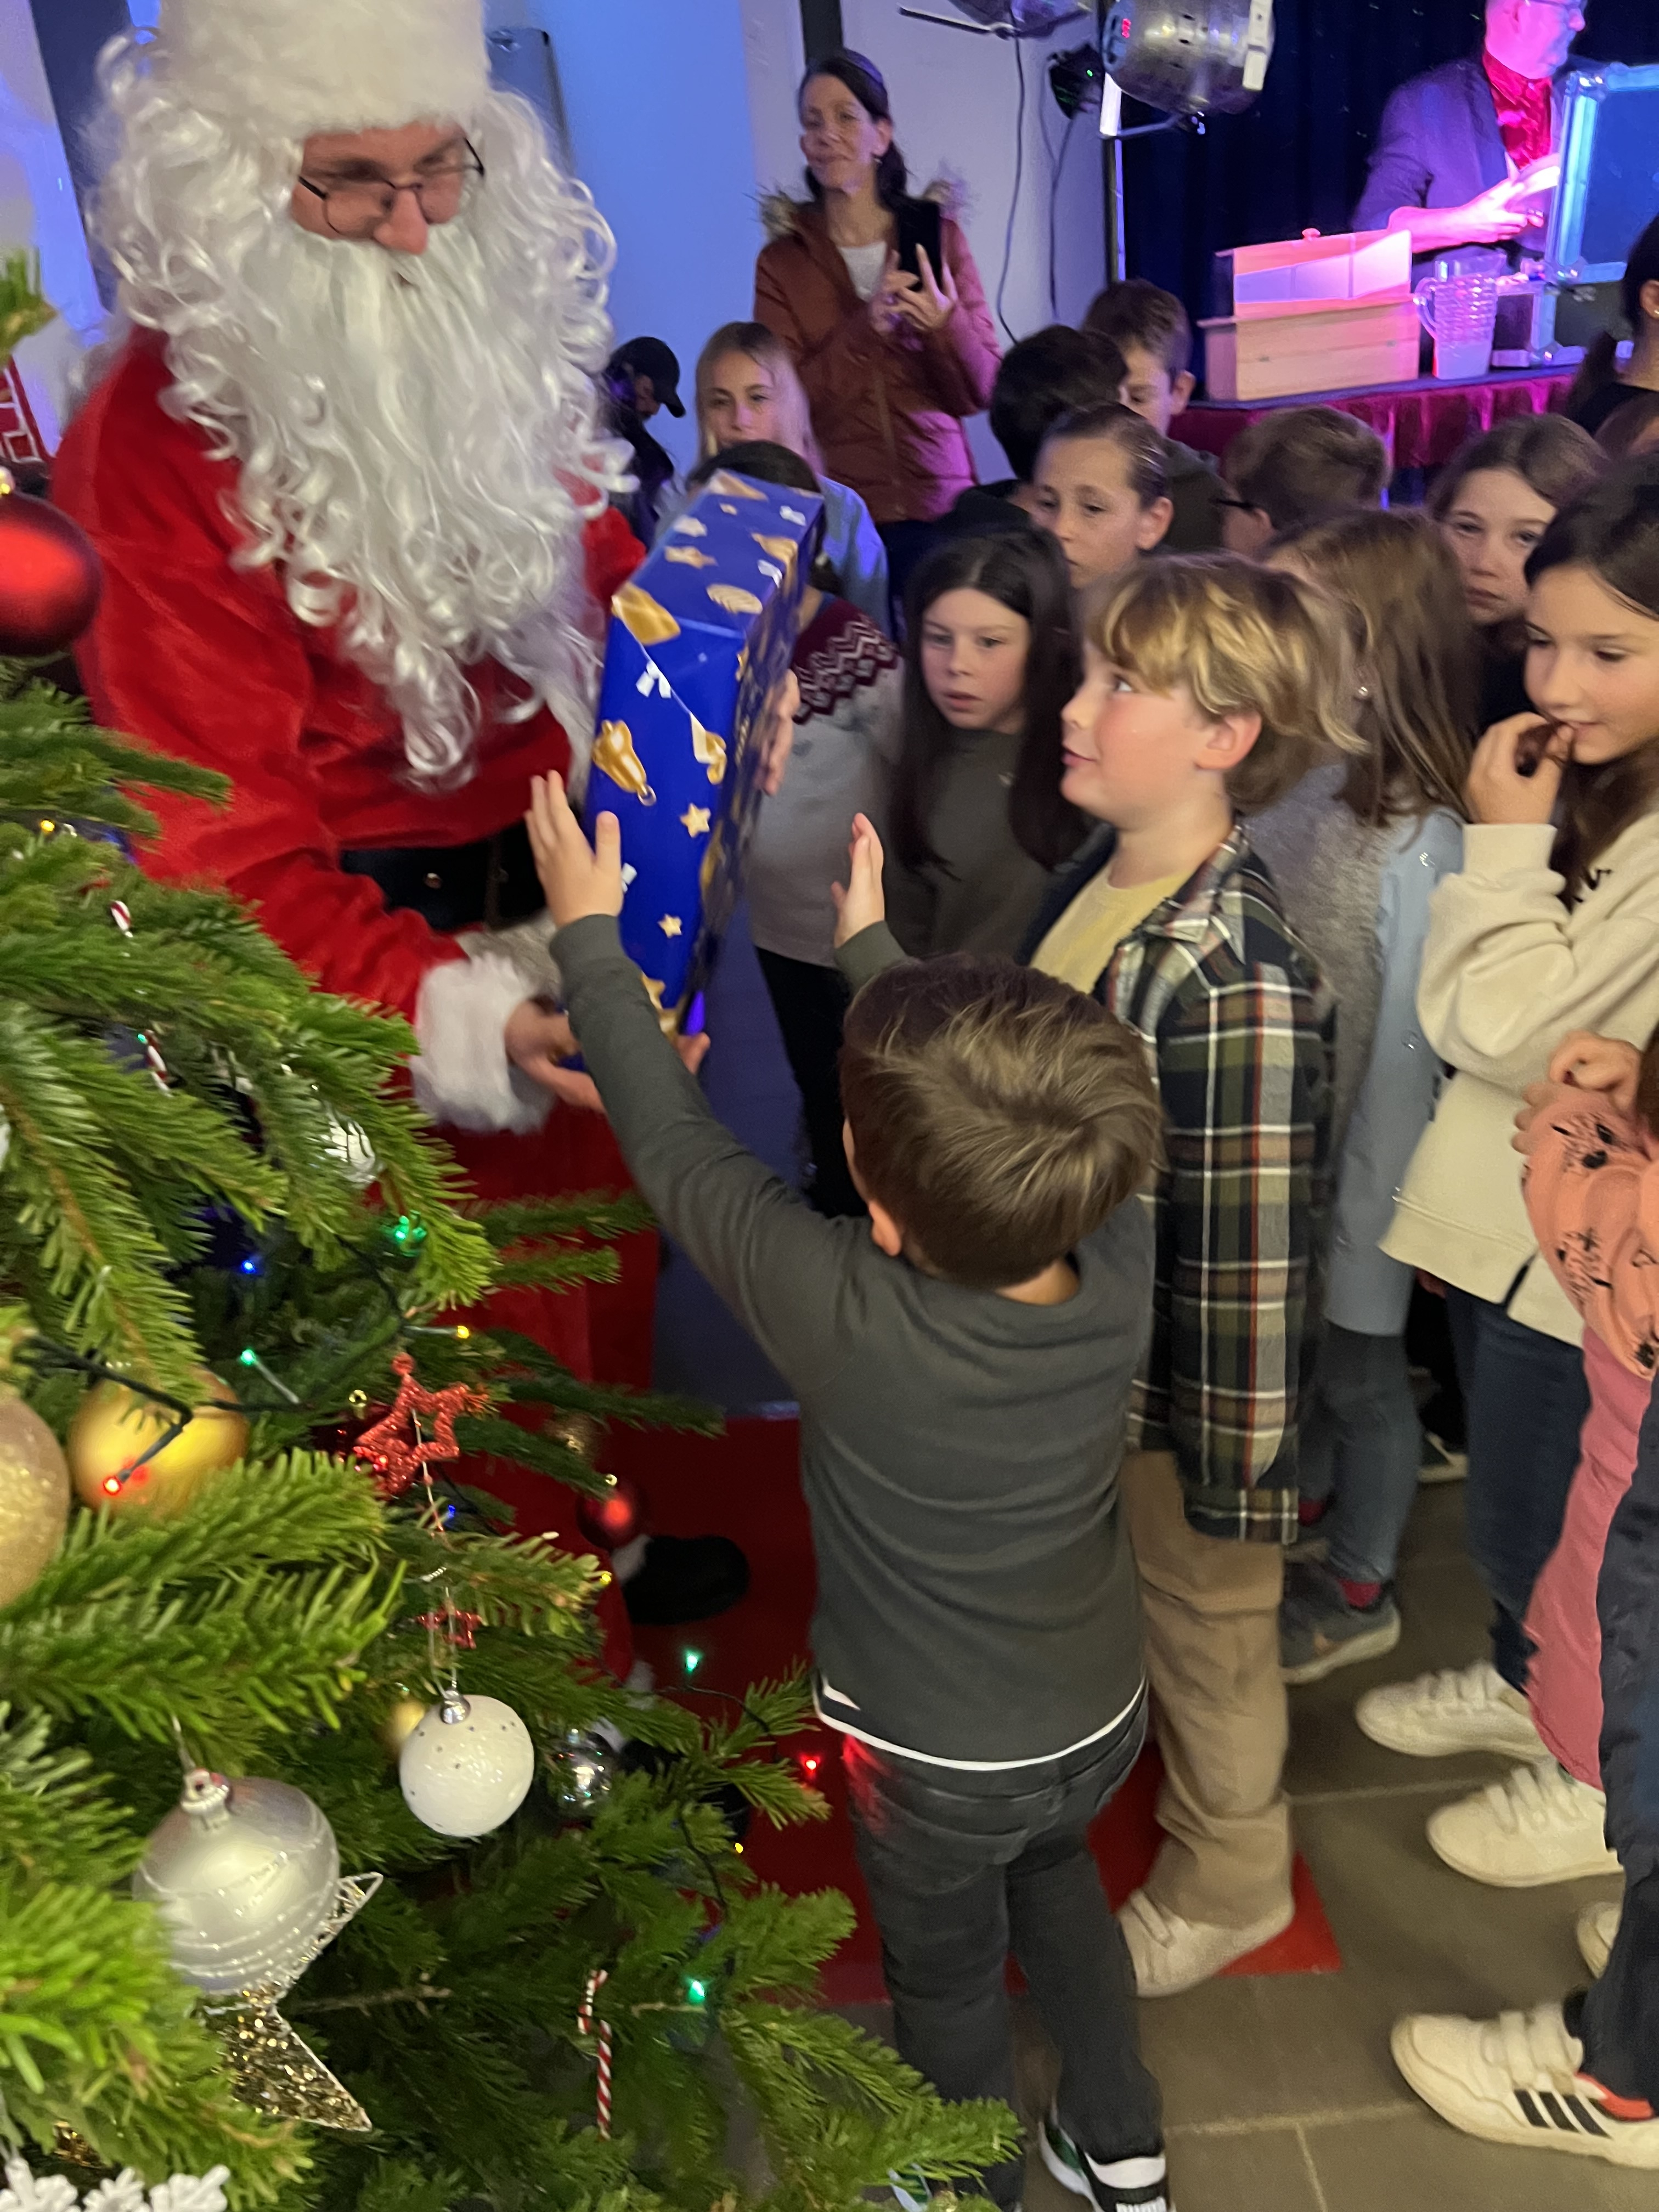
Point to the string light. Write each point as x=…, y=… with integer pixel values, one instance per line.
x=250, y=1266
x=810, y=1764
x=691, y=1659
x=698, y=1991
x=249, y=1358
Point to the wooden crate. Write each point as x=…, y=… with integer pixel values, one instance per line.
x=1341, y=346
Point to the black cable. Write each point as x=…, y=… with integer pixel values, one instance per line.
x=1013, y=197
x=1059, y=161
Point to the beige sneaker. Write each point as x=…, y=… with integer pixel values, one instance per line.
x=1538, y=1826
x=1170, y=1954
x=1459, y=1709
x=1595, y=1927
x=1516, y=2080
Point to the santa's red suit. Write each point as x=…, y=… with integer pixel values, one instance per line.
x=206, y=661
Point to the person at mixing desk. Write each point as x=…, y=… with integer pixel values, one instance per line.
x=1456, y=144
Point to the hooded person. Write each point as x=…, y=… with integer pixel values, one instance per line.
x=342, y=466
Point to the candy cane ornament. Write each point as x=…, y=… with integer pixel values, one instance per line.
x=585, y=2025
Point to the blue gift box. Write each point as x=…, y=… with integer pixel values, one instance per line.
x=698, y=639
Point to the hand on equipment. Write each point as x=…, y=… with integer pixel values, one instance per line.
x=859, y=904
x=1516, y=775
x=1490, y=218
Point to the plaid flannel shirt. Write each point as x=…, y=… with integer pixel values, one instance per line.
x=1241, y=1030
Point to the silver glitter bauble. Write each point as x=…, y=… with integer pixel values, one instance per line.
x=580, y=1775
x=245, y=1874
x=467, y=1767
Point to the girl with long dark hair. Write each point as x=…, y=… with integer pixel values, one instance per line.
x=977, y=821
x=1552, y=925
x=1599, y=390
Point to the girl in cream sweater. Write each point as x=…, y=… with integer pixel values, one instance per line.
x=1552, y=924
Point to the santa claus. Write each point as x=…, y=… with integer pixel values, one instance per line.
x=343, y=469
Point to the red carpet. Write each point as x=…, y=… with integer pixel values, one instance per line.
x=745, y=1485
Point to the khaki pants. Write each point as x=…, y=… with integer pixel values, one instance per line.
x=1218, y=1706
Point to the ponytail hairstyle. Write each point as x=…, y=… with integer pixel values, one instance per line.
x=1613, y=532
x=1417, y=707
x=869, y=88
x=768, y=352
x=1599, y=363
x=1024, y=571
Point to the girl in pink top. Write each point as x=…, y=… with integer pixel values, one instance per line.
x=1593, y=1194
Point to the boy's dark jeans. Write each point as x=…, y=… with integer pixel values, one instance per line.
x=962, y=1868
x=1617, y=2017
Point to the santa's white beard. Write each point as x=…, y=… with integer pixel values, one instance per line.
x=415, y=434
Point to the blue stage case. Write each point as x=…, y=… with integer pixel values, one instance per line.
x=698, y=639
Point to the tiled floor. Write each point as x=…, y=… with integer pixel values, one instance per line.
x=1280, y=2093
x=1281, y=2096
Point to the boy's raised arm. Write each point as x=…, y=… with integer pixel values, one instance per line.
x=771, y=1258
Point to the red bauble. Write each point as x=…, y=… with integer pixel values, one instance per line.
x=50, y=579
x=615, y=1518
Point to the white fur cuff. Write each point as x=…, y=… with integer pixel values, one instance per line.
x=462, y=1074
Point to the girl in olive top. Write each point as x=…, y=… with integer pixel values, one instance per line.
x=978, y=825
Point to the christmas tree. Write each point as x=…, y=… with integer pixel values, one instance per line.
x=224, y=1238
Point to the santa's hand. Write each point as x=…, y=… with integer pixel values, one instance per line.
x=537, y=1040
x=577, y=878
x=860, y=904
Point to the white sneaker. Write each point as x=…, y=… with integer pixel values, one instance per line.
x=1459, y=1709
x=1538, y=1826
x=1596, y=1927
x=1516, y=2080
x=1170, y=1954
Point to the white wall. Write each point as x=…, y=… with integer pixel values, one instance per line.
x=657, y=95
x=955, y=102
x=37, y=208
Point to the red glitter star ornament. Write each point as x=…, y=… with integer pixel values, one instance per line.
x=459, y=1628
x=398, y=1459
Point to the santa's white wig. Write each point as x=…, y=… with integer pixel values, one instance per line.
x=416, y=435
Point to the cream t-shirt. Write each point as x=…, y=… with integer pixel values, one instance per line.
x=1083, y=940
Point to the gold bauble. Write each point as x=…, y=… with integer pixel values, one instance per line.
x=115, y=1427
x=35, y=1495
x=400, y=1723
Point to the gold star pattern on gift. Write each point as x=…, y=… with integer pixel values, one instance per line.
x=670, y=925
x=695, y=821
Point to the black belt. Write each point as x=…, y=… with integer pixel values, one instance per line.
x=492, y=882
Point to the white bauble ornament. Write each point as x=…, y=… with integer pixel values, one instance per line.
x=245, y=1874
x=467, y=1767
x=346, y=1145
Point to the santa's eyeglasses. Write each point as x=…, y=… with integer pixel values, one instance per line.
x=361, y=205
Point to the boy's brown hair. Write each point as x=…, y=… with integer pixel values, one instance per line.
x=997, y=1115
x=1136, y=313
x=1239, y=639
x=1305, y=464
x=1111, y=424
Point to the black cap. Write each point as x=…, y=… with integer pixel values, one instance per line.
x=651, y=357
